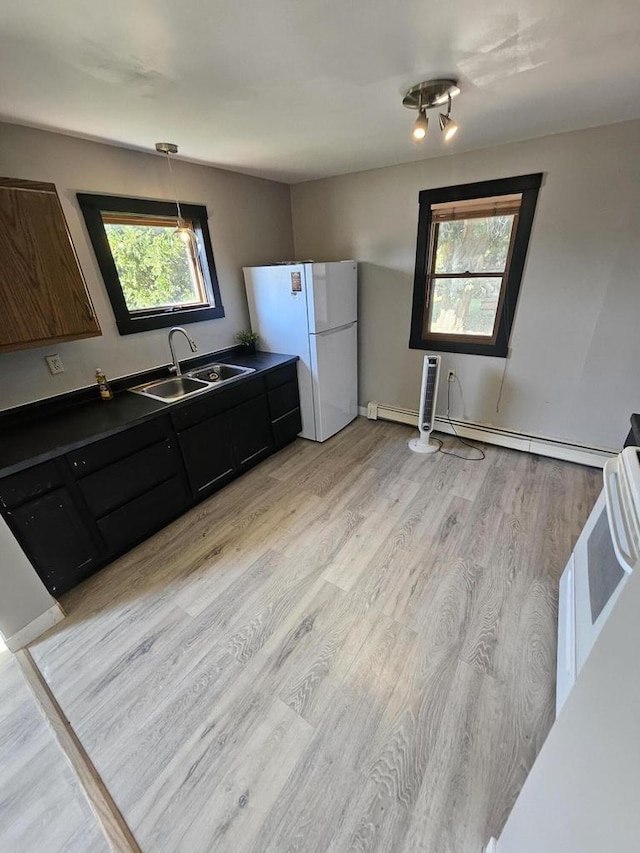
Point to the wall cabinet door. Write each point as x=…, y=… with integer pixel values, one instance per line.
x=43, y=296
x=55, y=538
x=250, y=426
x=208, y=454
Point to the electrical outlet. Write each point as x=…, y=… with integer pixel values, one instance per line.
x=55, y=364
x=452, y=376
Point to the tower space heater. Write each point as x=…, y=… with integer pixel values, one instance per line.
x=428, y=394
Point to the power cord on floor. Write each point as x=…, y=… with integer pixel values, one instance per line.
x=460, y=439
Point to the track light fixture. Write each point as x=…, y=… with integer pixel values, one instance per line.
x=183, y=230
x=427, y=95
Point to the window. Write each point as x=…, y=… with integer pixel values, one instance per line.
x=153, y=278
x=472, y=243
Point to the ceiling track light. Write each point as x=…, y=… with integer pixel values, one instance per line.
x=428, y=95
x=447, y=124
x=422, y=123
x=183, y=231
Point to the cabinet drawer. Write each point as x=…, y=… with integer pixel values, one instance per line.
x=120, y=482
x=216, y=402
x=282, y=375
x=286, y=428
x=108, y=450
x=136, y=520
x=284, y=399
x=26, y=485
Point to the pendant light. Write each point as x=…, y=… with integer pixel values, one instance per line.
x=183, y=231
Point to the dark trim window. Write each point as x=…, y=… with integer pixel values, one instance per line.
x=154, y=278
x=471, y=248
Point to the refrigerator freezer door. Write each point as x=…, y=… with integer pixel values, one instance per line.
x=278, y=311
x=334, y=368
x=332, y=295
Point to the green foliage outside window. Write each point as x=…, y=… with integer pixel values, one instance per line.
x=153, y=266
x=477, y=245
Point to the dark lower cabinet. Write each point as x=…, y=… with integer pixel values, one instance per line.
x=251, y=432
x=54, y=536
x=77, y=512
x=208, y=454
x=284, y=405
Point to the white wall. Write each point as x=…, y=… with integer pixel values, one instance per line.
x=249, y=221
x=575, y=345
x=22, y=596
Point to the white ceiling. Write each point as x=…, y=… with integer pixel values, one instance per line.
x=299, y=89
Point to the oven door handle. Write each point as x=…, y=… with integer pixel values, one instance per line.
x=614, y=512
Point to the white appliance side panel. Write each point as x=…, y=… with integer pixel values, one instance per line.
x=278, y=314
x=333, y=295
x=334, y=366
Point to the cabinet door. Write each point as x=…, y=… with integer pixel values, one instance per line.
x=251, y=432
x=43, y=296
x=55, y=538
x=208, y=454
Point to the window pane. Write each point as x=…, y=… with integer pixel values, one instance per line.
x=153, y=265
x=464, y=306
x=474, y=245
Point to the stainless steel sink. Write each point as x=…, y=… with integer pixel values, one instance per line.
x=195, y=382
x=170, y=390
x=218, y=373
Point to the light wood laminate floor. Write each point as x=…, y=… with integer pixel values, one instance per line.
x=352, y=647
x=42, y=807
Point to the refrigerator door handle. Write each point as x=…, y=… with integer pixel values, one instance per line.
x=335, y=329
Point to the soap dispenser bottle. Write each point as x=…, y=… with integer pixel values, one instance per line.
x=103, y=386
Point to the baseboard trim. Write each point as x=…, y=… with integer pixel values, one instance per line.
x=35, y=628
x=492, y=846
x=593, y=456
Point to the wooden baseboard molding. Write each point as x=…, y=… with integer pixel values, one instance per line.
x=593, y=456
x=115, y=829
x=35, y=628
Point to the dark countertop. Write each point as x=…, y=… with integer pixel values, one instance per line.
x=51, y=433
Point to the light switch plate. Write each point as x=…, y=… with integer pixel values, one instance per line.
x=55, y=364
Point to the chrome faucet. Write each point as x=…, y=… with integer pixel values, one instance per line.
x=176, y=364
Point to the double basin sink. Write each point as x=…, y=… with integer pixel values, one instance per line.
x=194, y=382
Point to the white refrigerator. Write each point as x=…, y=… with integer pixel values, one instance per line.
x=310, y=310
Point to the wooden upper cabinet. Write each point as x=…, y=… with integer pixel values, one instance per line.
x=43, y=295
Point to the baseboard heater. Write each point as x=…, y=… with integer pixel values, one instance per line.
x=594, y=456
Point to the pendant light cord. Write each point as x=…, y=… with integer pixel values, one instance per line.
x=175, y=191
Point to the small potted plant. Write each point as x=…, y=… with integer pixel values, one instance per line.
x=247, y=340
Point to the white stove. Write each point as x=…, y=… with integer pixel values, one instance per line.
x=606, y=553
